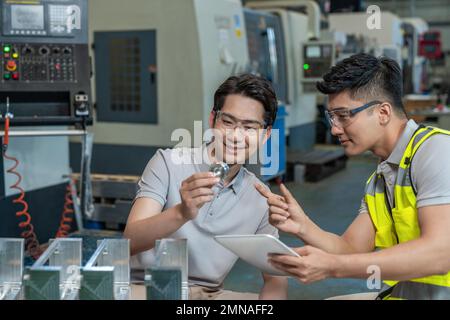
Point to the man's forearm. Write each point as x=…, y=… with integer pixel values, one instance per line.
x=275, y=288
x=144, y=233
x=409, y=260
x=314, y=236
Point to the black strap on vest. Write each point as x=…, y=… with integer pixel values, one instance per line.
x=383, y=294
x=408, y=161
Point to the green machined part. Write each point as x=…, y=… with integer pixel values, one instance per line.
x=163, y=283
x=97, y=284
x=42, y=284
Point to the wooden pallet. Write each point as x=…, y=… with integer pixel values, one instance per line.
x=318, y=164
x=113, y=196
x=108, y=188
x=109, y=177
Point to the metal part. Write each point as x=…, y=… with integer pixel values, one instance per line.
x=60, y=279
x=106, y=276
x=87, y=206
x=220, y=169
x=97, y=284
x=43, y=133
x=163, y=284
x=11, y=267
x=172, y=253
x=8, y=114
x=76, y=206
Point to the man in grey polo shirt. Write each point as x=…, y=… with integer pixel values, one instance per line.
x=179, y=198
x=401, y=235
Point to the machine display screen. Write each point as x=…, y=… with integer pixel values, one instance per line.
x=27, y=17
x=313, y=51
x=326, y=51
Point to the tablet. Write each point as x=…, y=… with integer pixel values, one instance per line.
x=254, y=249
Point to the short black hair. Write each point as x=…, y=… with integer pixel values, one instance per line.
x=251, y=86
x=366, y=77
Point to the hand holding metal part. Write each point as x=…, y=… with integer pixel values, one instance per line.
x=220, y=170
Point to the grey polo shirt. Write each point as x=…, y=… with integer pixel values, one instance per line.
x=430, y=169
x=236, y=209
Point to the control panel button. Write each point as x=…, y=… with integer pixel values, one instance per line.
x=43, y=51
x=27, y=50
x=11, y=65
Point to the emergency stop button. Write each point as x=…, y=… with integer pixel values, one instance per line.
x=11, y=66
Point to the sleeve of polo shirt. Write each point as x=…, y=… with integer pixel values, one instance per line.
x=266, y=228
x=430, y=171
x=154, y=182
x=363, y=207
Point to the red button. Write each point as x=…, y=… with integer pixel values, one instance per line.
x=11, y=65
x=15, y=76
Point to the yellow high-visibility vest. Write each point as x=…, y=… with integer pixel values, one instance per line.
x=401, y=223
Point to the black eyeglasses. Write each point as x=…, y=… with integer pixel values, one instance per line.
x=341, y=117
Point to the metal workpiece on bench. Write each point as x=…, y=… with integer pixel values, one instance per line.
x=106, y=276
x=169, y=274
x=60, y=279
x=11, y=268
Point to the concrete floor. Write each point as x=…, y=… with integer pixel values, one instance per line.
x=333, y=204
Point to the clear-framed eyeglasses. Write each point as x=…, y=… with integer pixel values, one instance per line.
x=229, y=122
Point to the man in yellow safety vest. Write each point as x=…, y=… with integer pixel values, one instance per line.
x=403, y=225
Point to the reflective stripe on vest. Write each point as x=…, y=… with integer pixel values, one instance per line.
x=401, y=224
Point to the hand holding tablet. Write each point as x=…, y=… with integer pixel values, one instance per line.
x=254, y=249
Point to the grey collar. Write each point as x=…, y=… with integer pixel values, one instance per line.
x=396, y=156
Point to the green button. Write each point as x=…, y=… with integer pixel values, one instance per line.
x=6, y=49
x=7, y=76
x=306, y=66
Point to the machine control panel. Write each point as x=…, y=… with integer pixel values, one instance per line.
x=45, y=64
x=38, y=62
x=318, y=59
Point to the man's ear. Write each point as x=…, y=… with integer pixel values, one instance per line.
x=212, y=118
x=385, y=112
x=267, y=133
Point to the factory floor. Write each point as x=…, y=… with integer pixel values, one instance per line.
x=333, y=204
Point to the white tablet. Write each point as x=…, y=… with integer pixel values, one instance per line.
x=254, y=249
